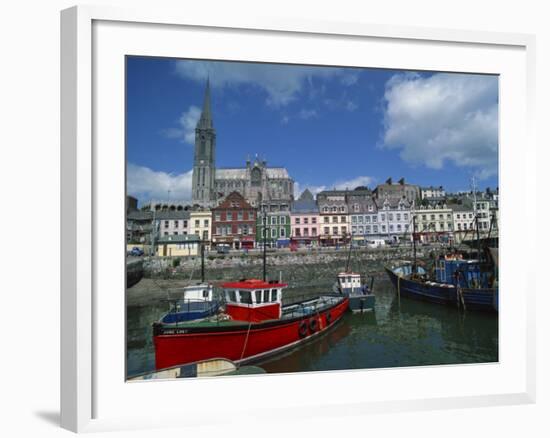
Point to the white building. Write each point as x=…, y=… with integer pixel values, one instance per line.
x=432, y=192
x=394, y=218
x=463, y=222
x=434, y=223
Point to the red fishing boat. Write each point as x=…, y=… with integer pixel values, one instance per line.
x=254, y=325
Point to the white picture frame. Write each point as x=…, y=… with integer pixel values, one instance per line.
x=86, y=232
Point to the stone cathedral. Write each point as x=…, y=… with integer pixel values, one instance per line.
x=258, y=183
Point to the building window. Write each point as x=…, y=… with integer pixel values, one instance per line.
x=313, y=220
x=326, y=230
x=197, y=223
x=282, y=220
x=405, y=217
x=398, y=227
x=343, y=230
x=218, y=217
x=306, y=231
x=353, y=230
x=398, y=216
x=343, y=219
x=375, y=228
x=176, y=224
x=342, y=209
x=360, y=219
x=325, y=209
x=367, y=229
x=327, y=219
x=334, y=219
x=334, y=209
x=282, y=232
x=240, y=215
x=314, y=232
x=391, y=228
x=383, y=228
x=184, y=224
x=383, y=217
x=423, y=217
x=390, y=216
x=297, y=221
x=354, y=219
x=305, y=220
x=334, y=230
x=374, y=219
x=297, y=232
x=166, y=224
x=175, y=233
x=206, y=223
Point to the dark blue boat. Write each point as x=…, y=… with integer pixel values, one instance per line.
x=457, y=282
x=198, y=302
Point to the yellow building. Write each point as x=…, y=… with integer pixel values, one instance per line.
x=200, y=224
x=178, y=246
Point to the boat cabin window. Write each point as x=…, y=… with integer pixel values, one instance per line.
x=231, y=296
x=273, y=294
x=245, y=296
x=266, y=295
x=258, y=296
x=205, y=293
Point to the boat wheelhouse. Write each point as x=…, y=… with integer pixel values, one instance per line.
x=253, y=300
x=198, y=302
x=361, y=298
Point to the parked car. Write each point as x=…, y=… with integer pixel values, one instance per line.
x=136, y=252
x=222, y=249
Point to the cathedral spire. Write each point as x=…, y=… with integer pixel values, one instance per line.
x=205, y=121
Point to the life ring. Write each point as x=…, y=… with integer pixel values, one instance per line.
x=313, y=325
x=328, y=318
x=302, y=329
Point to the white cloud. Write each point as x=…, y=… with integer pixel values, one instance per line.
x=146, y=184
x=339, y=185
x=353, y=183
x=306, y=114
x=444, y=117
x=186, y=126
x=282, y=83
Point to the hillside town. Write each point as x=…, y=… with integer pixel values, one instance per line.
x=241, y=208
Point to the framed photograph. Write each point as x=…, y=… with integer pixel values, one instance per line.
x=283, y=208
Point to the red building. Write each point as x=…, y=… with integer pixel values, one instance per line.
x=234, y=223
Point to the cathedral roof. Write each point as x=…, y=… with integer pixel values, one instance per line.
x=240, y=173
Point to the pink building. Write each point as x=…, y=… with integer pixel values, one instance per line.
x=304, y=223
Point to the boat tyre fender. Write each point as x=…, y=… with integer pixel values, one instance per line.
x=328, y=318
x=313, y=325
x=302, y=329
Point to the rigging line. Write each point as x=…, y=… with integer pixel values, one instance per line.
x=246, y=340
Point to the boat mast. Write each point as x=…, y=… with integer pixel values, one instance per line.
x=349, y=257
x=414, y=243
x=202, y=261
x=264, y=219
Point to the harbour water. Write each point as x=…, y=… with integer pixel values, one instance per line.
x=400, y=332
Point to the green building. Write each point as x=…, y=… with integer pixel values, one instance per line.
x=277, y=228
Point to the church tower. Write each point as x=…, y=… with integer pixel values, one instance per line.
x=204, y=165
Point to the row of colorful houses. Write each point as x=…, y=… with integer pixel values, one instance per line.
x=335, y=218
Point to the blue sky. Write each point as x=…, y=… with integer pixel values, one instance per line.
x=330, y=127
